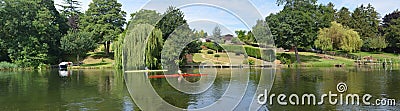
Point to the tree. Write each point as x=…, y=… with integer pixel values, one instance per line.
x=71, y=10
x=376, y=43
x=250, y=37
x=177, y=46
x=387, y=20
x=261, y=33
x=105, y=20
x=343, y=16
x=145, y=17
x=366, y=23
x=325, y=14
x=351, y=41
x=154, y=48
x=295, y=25
x=217, y=32
x=77, y=43
x=200, y=34
x=150, y=17
x=324, y=41
x=338, y=37
x=171, y=19
x=241, y=34
x=392, y=33
x=31, y=31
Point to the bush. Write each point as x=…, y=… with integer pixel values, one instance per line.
x=212, y=46
x=210, y=52
x=217, y=55
x=6, y=65
x=238, y=53
x=285, y=58
x=249, y=62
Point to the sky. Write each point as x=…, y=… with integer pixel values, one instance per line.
x=232, y=15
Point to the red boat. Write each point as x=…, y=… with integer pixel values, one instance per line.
x=176, y=75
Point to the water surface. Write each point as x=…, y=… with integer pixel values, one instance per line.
x=106, y=89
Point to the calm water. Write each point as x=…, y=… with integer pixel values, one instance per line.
x=106, y=89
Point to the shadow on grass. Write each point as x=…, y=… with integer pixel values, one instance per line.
x=305, y=58
x=99, y=55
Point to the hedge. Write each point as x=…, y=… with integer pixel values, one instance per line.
x=249, y=50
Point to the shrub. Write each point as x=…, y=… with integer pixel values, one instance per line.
x=217, y=55
x=285, y=58
x=210, y=52
x=251, y=61
x=6, y=65
x=212, y=46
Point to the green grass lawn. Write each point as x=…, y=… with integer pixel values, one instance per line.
x=309, y=59
x=378, y=55
x=225, y=58
x=95, y=60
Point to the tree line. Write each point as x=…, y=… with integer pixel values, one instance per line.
x=306, y=24
x=35, y=33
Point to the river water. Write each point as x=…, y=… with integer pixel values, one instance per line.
x=231, y=88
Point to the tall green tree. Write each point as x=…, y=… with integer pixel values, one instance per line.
x=387, y=20
x=390, y=30
x=325, y=14
x=77, y=43
x=343, y=16
x=295, y=26
x=105, y=20
x=177, y=46
x=153, y=49
x=171, y=19
x=366, y=23
x=392, y=33
x=145, y=17
x=71, y=9
x=217, y=32
x=262, y=33
x=31, y=31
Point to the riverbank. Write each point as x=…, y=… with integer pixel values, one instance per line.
x=98, y=60
x=308, y=59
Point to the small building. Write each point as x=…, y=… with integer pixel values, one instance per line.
x=228, y=39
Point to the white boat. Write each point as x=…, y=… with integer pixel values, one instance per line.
x=64, y=65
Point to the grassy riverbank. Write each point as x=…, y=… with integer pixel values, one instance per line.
x=96, y=60
x=309, y=59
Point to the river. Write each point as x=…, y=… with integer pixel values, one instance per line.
x=232, y=88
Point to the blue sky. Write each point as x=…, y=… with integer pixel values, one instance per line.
x=234, y=14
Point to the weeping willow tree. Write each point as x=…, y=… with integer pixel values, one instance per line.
x=153, y=49
x=338, y=37
x=118, y=47
x=141, y=48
